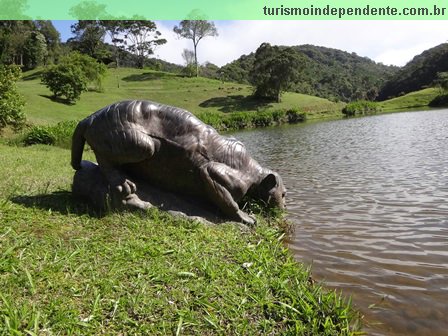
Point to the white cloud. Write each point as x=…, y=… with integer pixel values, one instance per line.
x=389, y=42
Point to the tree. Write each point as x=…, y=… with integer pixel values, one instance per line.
x=190, y=67
x=13, y=36
x=65, y=80
x=72, y=75
x=210, y=70
x=442, y=81
x=11, y=102
x=274, y=71
x=89, y=39
x=52, y=39
x=140, y=37
x=195, y=30
x=113, y=29
x=34, y=50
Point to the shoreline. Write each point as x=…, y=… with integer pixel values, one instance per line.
x=145, y=272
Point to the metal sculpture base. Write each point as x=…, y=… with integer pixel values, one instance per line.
x=89, y=184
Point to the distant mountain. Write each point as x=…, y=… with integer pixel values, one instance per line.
x=417, y=74
x=329, y=73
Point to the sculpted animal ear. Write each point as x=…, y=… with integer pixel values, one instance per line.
x=269, y=182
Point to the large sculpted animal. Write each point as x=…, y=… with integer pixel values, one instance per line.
x=171, y=148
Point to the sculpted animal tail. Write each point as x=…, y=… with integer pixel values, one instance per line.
x=78, y=141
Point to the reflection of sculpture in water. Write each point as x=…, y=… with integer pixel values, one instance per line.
x=172, y=149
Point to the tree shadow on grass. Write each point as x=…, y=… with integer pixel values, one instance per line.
x=62, y=202
x=146, y=76
x=32, y=76
x=58, y=99
x=236, y=103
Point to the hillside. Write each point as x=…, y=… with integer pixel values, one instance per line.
x=418, y=74
x=199, y=95
x=413, y=100
x=329, y=73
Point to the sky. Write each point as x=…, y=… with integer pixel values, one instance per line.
x=388, y=42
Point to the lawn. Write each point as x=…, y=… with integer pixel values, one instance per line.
x=198, y=95
x=66, y=270
x=417, y=99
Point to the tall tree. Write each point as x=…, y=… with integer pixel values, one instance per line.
x=275, y=69
x=52, y=39
x=13, y=36
x=141, y=37
x=34, y=50
x=113, y=28
x=190, y=67
x=195, y=30
x=89, y=38
x=442, y=82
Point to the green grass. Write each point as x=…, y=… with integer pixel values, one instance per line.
x=65, y=270
x=413, y=100
x=198, y=95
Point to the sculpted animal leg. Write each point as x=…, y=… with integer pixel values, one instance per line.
x=219, y=179
x=130, y=147
x=116, y=178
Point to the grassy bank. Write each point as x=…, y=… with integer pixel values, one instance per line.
x=65, y=270
x=413, y=100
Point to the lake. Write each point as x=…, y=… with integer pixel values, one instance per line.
x=369, y=200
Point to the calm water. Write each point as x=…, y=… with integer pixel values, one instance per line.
x=369, y=198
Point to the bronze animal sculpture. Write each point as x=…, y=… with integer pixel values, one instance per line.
x=171, y=148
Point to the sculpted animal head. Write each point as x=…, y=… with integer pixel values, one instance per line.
x=272, y=191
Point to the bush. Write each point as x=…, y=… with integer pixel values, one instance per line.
x=241, y=120
x=189, y=70
x=72, y=75
x=11, y=102
x=360, y=107
x=39, y=135
x=59, y=135
x=92, y=70
x=295, y=116
x=65, y=80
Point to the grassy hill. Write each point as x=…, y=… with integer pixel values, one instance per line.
x=200, y=96
x=413, y=100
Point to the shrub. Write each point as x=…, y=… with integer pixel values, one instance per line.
x=66, y=80
x=59, y=134
x=72, y=75
x=11, y=102
x=295, y=116
x=360, y=107
x=189, y=70
x=39, y=135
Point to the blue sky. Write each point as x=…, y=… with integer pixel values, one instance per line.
x=389, y=42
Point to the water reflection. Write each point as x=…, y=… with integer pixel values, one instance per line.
x=369, y=197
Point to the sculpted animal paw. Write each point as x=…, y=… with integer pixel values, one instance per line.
x=246, y=218
x=127, y=187
x=134, y=201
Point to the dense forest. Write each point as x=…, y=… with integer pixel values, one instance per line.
x=328, y=73
x=418, y=73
